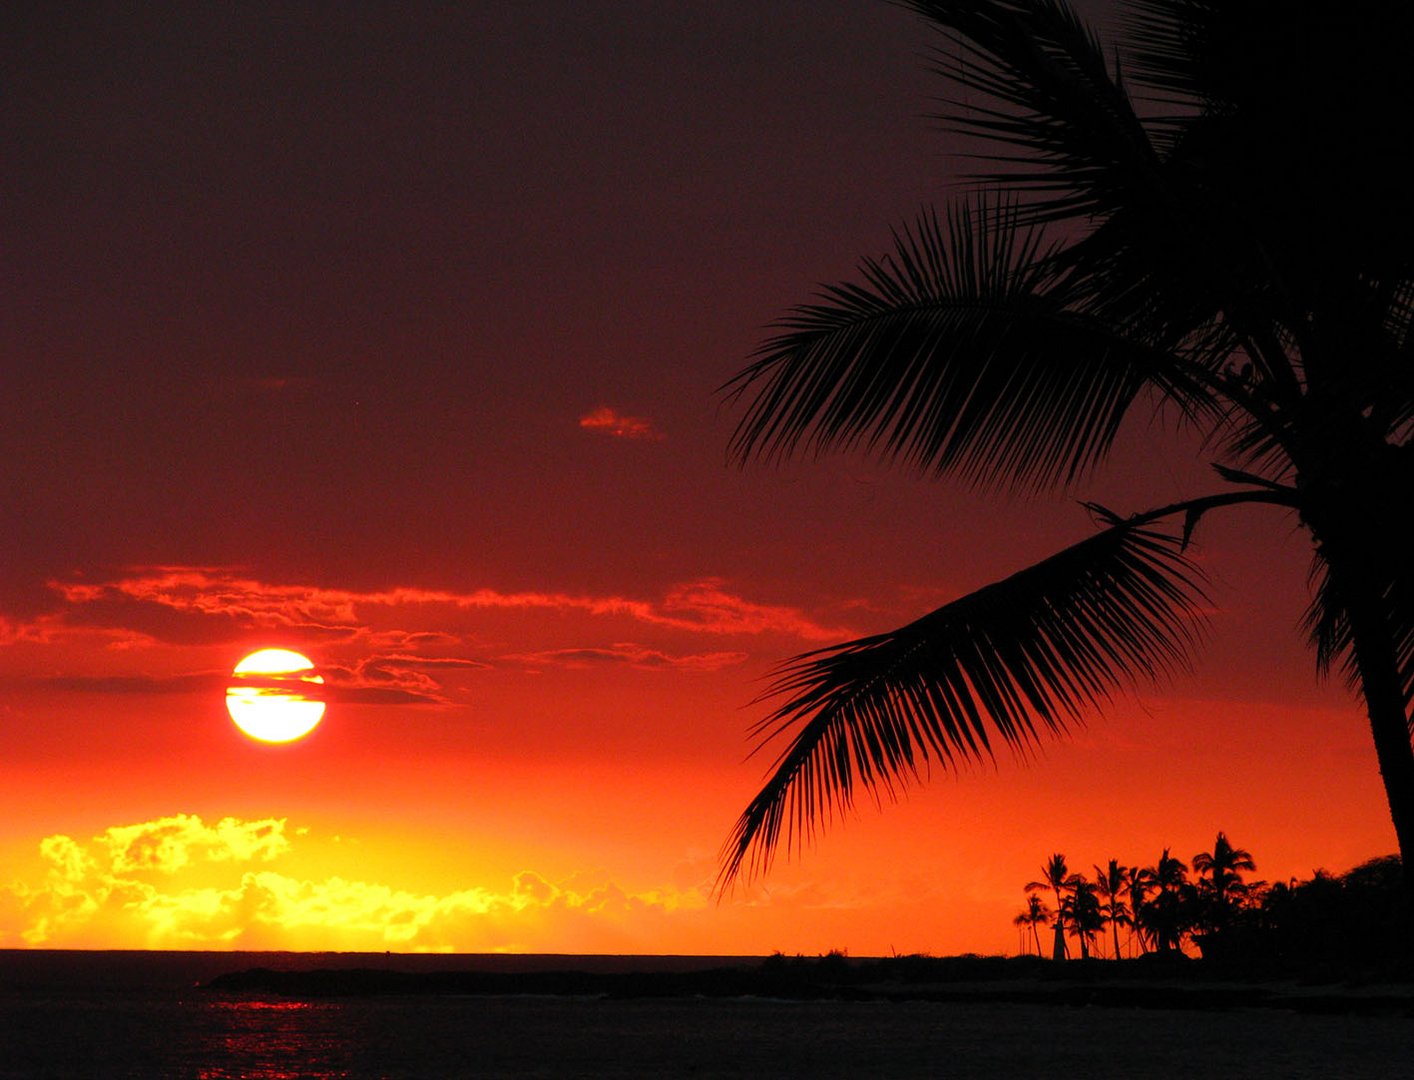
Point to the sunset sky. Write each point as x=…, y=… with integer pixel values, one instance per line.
x=394, y=337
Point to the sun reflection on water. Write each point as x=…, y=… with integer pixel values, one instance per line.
x=275, y=1040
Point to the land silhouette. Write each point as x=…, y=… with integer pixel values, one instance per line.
x=1210, y=941
x=1330, y=944
x=1348, y=924
x=1207, y=218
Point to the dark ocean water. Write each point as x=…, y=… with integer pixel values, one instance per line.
x=139, y=1015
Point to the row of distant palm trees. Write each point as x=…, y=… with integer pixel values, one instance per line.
x=1159, y=908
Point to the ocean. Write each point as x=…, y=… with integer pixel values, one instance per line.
x=141, y=1015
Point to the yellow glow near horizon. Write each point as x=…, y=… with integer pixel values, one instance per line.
x=265, y=701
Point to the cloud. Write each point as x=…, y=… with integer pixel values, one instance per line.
x=396, y=646
x=394, y=679
x=607, y=421
x=629, y=655
x=169, y=844
x=707, y=606
x=148, y=885
x=187, y=683
x=204, y=605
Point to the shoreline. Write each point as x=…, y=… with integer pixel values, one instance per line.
x=1185, y=985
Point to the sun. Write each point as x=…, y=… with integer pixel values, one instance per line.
x=269, y=696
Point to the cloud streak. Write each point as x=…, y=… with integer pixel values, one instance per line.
x=380, y=679
x=616, y=425
x=628, y=655
x=195, y=605
x=395, y=646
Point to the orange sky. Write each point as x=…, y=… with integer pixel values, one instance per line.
x=395, y=342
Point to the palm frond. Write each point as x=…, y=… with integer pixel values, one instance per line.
x=1016, y=660
x=1061, y=125
x=962, y=353
x=1392, y=401
x=1328, y=628
x=1173, y=46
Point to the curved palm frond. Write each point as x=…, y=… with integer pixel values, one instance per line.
x=1070, y=141
x=1009, y=662
x=961, y=352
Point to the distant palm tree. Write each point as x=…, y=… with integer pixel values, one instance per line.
x=1083, y=907
x=1166, y=916
x=1141, y=880
x=1112, y=883
x=1055, y=875
x=1229, y=236
x=1220, y=880
x=1036, y=914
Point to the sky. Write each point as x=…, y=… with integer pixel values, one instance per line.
x=394, y=335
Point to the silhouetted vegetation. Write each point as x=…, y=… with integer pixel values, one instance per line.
x=1205, y=216
x=1150, y=981
x=1352, y=923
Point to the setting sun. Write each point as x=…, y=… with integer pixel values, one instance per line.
x=268, y=699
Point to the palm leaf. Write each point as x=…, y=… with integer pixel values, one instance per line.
x=1061, y=127
x=965, y=351
x=1329, y=627
x=1176, y=51
x=1015, y=660
x=1394, y=410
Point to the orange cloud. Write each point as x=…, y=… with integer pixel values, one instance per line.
x=206, y=605
x=707, y=606
x=394, y=679
x=607, y=421
x=629, y=655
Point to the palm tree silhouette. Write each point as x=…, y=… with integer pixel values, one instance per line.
x=1166, y=916
x=1112, y=883
x=1055, y=875
x=1036, y=914
x=1190, y=220
x=1083, y=907
x=1141, y=880
x=1220, y=881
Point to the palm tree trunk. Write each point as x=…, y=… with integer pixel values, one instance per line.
x=1378, y=668
x=1058, y=947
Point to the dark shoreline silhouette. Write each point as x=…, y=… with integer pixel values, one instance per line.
x=1328, y=926
x=1150, y=983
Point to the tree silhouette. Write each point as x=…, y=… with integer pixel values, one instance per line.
x=1055, y=875
x=1112, y=883
x=1083, y=906
x=1141, y=881
x=1036, y=914
x=1167, y=915
x=1220, y=885
x=1194, y=221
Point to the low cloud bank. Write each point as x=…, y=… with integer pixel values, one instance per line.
x=178, y=883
